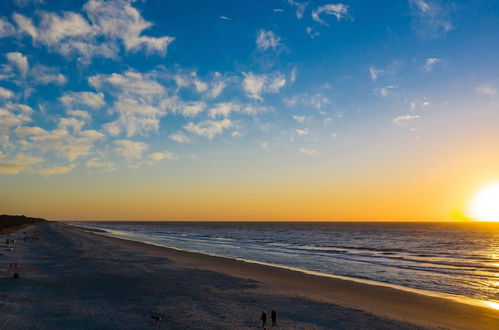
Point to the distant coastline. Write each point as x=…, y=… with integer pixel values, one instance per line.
x=10, y=223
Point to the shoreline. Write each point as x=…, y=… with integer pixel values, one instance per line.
x=454, y=297
x=384, y=301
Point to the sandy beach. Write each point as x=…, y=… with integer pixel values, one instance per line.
x=80, y=280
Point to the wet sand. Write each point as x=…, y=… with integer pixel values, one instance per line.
x=75, y=279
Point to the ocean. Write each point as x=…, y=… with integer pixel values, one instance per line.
x=459, y=259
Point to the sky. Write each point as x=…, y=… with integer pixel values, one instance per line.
x=247, y=110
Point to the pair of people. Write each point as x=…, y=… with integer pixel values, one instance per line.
x=273, y=317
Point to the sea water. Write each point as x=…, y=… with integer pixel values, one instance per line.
x=452, y=258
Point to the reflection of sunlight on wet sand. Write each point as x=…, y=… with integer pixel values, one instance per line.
x=492, y=304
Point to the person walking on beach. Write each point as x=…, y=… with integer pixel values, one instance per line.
x=264, y=319
x=273, y=317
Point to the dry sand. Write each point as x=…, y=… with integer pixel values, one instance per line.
x=71, y=279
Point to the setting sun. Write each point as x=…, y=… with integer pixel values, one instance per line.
x=484, y=205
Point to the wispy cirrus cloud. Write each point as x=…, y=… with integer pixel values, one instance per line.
x=338, y=10
x=400, y=120
x=431, y=18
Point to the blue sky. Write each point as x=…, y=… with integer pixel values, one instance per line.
x=115, y=86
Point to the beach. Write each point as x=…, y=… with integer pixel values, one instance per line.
x=71, y=278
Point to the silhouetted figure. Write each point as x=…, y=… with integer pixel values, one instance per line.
x=16, y=275
x=264, y=319
x=273, y=316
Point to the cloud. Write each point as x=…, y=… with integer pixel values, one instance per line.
x=6, y=29
x=187, y=109
x=19, y=61
x=300, y=119
x=383, y=91
x=254, y=85
x=179, y=137
x=158, y=156
x=109, y=23
x=300, y=7
x=375, y=73
x=118, y=19
x=224, y=109
x=137, y=103
x=302, y=132
x=44, y=75
x=12, y=115
x=135, y=118
x=89, y=99
x=309, y=152
x=19, y=164
x=67, y=140
x=338, y=10
x=95, y=163
x=209, y=128
x=56, y=170
x=430, y=18
x=130, y=84
x=312, y=32
x=130, y=149
x=225, y=18
x=317, y=101
x=430, y=63
x=400, y=120
x=266, y=40
x=486, y=90
x=6, y=93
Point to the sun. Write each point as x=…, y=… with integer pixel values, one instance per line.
x=484, y=204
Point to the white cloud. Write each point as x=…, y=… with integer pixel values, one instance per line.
x=19, y=164
x=45, y=75
x=302, y=132
x=12, y=115
x=95, y=163
x=187, y=109
x=430, y=18
x=90, y=99
x=224, y=109
x=487, y=90
x=158, y=156
x=430, y=63
x=130, y=84
x=312, y=32
x=118, y=19
x=383, y=91
x=110, y=22
x=67, y=140
x=138, y=103
x=130, y=149
x=6, y=29
x=6, y=93
x=309, y=152
x=300, y=7
x=254, y=85
x=317, y=101
x=179, y=137
x=338, y=10
x=267, y=39
x=300, y=119
x=209, y=128
x=375, y=73
x=19, y=61
x=56, y=170
x=400, y=120
x=135, y=118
